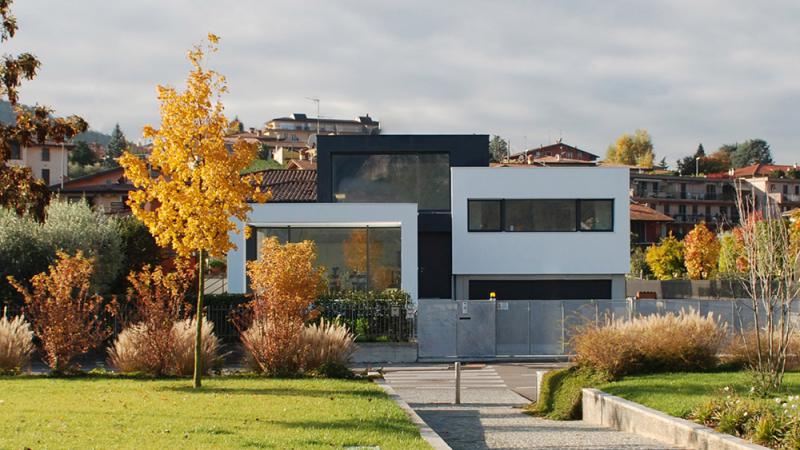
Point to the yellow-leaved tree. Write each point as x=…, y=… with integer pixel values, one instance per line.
x=190, y=188
x=701, y=252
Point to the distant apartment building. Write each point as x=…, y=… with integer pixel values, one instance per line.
x=293, y=136
x=778, y=183
x=47, y=161
x=688, y=200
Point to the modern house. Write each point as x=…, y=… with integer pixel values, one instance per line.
x=426, y=213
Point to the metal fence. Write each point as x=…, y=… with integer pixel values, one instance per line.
x=546, y=327
x=375, y=321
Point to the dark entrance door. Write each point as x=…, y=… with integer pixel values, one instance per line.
x=435, y=257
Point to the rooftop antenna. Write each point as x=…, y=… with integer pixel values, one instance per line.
x=315, y=100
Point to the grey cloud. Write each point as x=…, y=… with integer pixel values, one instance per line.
x=688, y=71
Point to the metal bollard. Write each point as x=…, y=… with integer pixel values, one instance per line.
x=458, y=383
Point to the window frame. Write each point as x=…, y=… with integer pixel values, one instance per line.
x=502, y=215
x=45, y=153
x=577, y=228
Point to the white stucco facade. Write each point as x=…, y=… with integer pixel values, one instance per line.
x=403, y=215
x=540, y=253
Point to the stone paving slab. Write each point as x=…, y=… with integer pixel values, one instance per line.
x=472, y=427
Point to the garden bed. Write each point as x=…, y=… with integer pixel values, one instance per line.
x=228, y=412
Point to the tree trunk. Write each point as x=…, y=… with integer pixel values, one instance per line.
x=198, y=338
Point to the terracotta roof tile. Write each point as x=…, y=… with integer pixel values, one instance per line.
x=647, y=214
x=291, y=186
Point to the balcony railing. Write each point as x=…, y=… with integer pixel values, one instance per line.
x=709, y=218
x=724, y=197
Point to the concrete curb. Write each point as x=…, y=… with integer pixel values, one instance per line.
x=600, y=408
x=427, y=433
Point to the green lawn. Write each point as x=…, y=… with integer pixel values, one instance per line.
x=678, y=393
x=98, y=412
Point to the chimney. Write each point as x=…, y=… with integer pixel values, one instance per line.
x=252, y=130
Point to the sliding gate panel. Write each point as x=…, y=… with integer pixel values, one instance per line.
x=513, y=331
x=475, y=328
x=546, y=330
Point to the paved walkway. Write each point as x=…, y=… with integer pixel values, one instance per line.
x=490, y=416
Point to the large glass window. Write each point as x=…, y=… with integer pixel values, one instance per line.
x=554, y=215
x=518, y=215
x=540, y=215
x=354, y=258
x=485, y=215
x=596, y=215
x=422, y=178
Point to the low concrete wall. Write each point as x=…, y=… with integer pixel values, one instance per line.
x=607, y=410
x=385, y=352
x=692, y=289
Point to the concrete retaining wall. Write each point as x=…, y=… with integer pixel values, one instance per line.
x=385, y=352
x=607, y=410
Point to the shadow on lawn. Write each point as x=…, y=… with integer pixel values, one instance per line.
x=275, y=391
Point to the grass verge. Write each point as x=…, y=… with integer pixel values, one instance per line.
x=228, y=412
x=677, y=394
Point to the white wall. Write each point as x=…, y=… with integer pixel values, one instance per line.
x=510, y=253
x=403, y=215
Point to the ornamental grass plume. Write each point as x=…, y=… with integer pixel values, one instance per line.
x=327, y=343
x=16, y=344
x=686, y=341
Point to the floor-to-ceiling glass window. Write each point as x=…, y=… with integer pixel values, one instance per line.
x=354, y=258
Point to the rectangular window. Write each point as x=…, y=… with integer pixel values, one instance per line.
x=354, y=258
x=16, y=151
x=666, y=208
x=45, y=154
x=485, y=215
x=596, y=215
x=421, y=178
x=541, y=215
x=554, y=215
x=518, y=215
x=46, y=176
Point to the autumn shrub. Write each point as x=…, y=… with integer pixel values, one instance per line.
x=16, y=344
x=157, y=299
x=129, y=353
x=285, y=283
x=740, y=350
x=666, y=259
x=685, y=341
x=66, y=319
x=701, y=248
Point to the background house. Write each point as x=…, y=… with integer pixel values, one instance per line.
x=47, y=161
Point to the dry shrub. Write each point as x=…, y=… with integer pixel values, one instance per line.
x=327, y=343
x=130, y=352
x=672, y=342
x=274, y=351
x=285, y=283
x=67, y=320
x=16, y=344
x=159, y=302
x=740, y=350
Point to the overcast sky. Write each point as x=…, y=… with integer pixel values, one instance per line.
x=687, y=71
